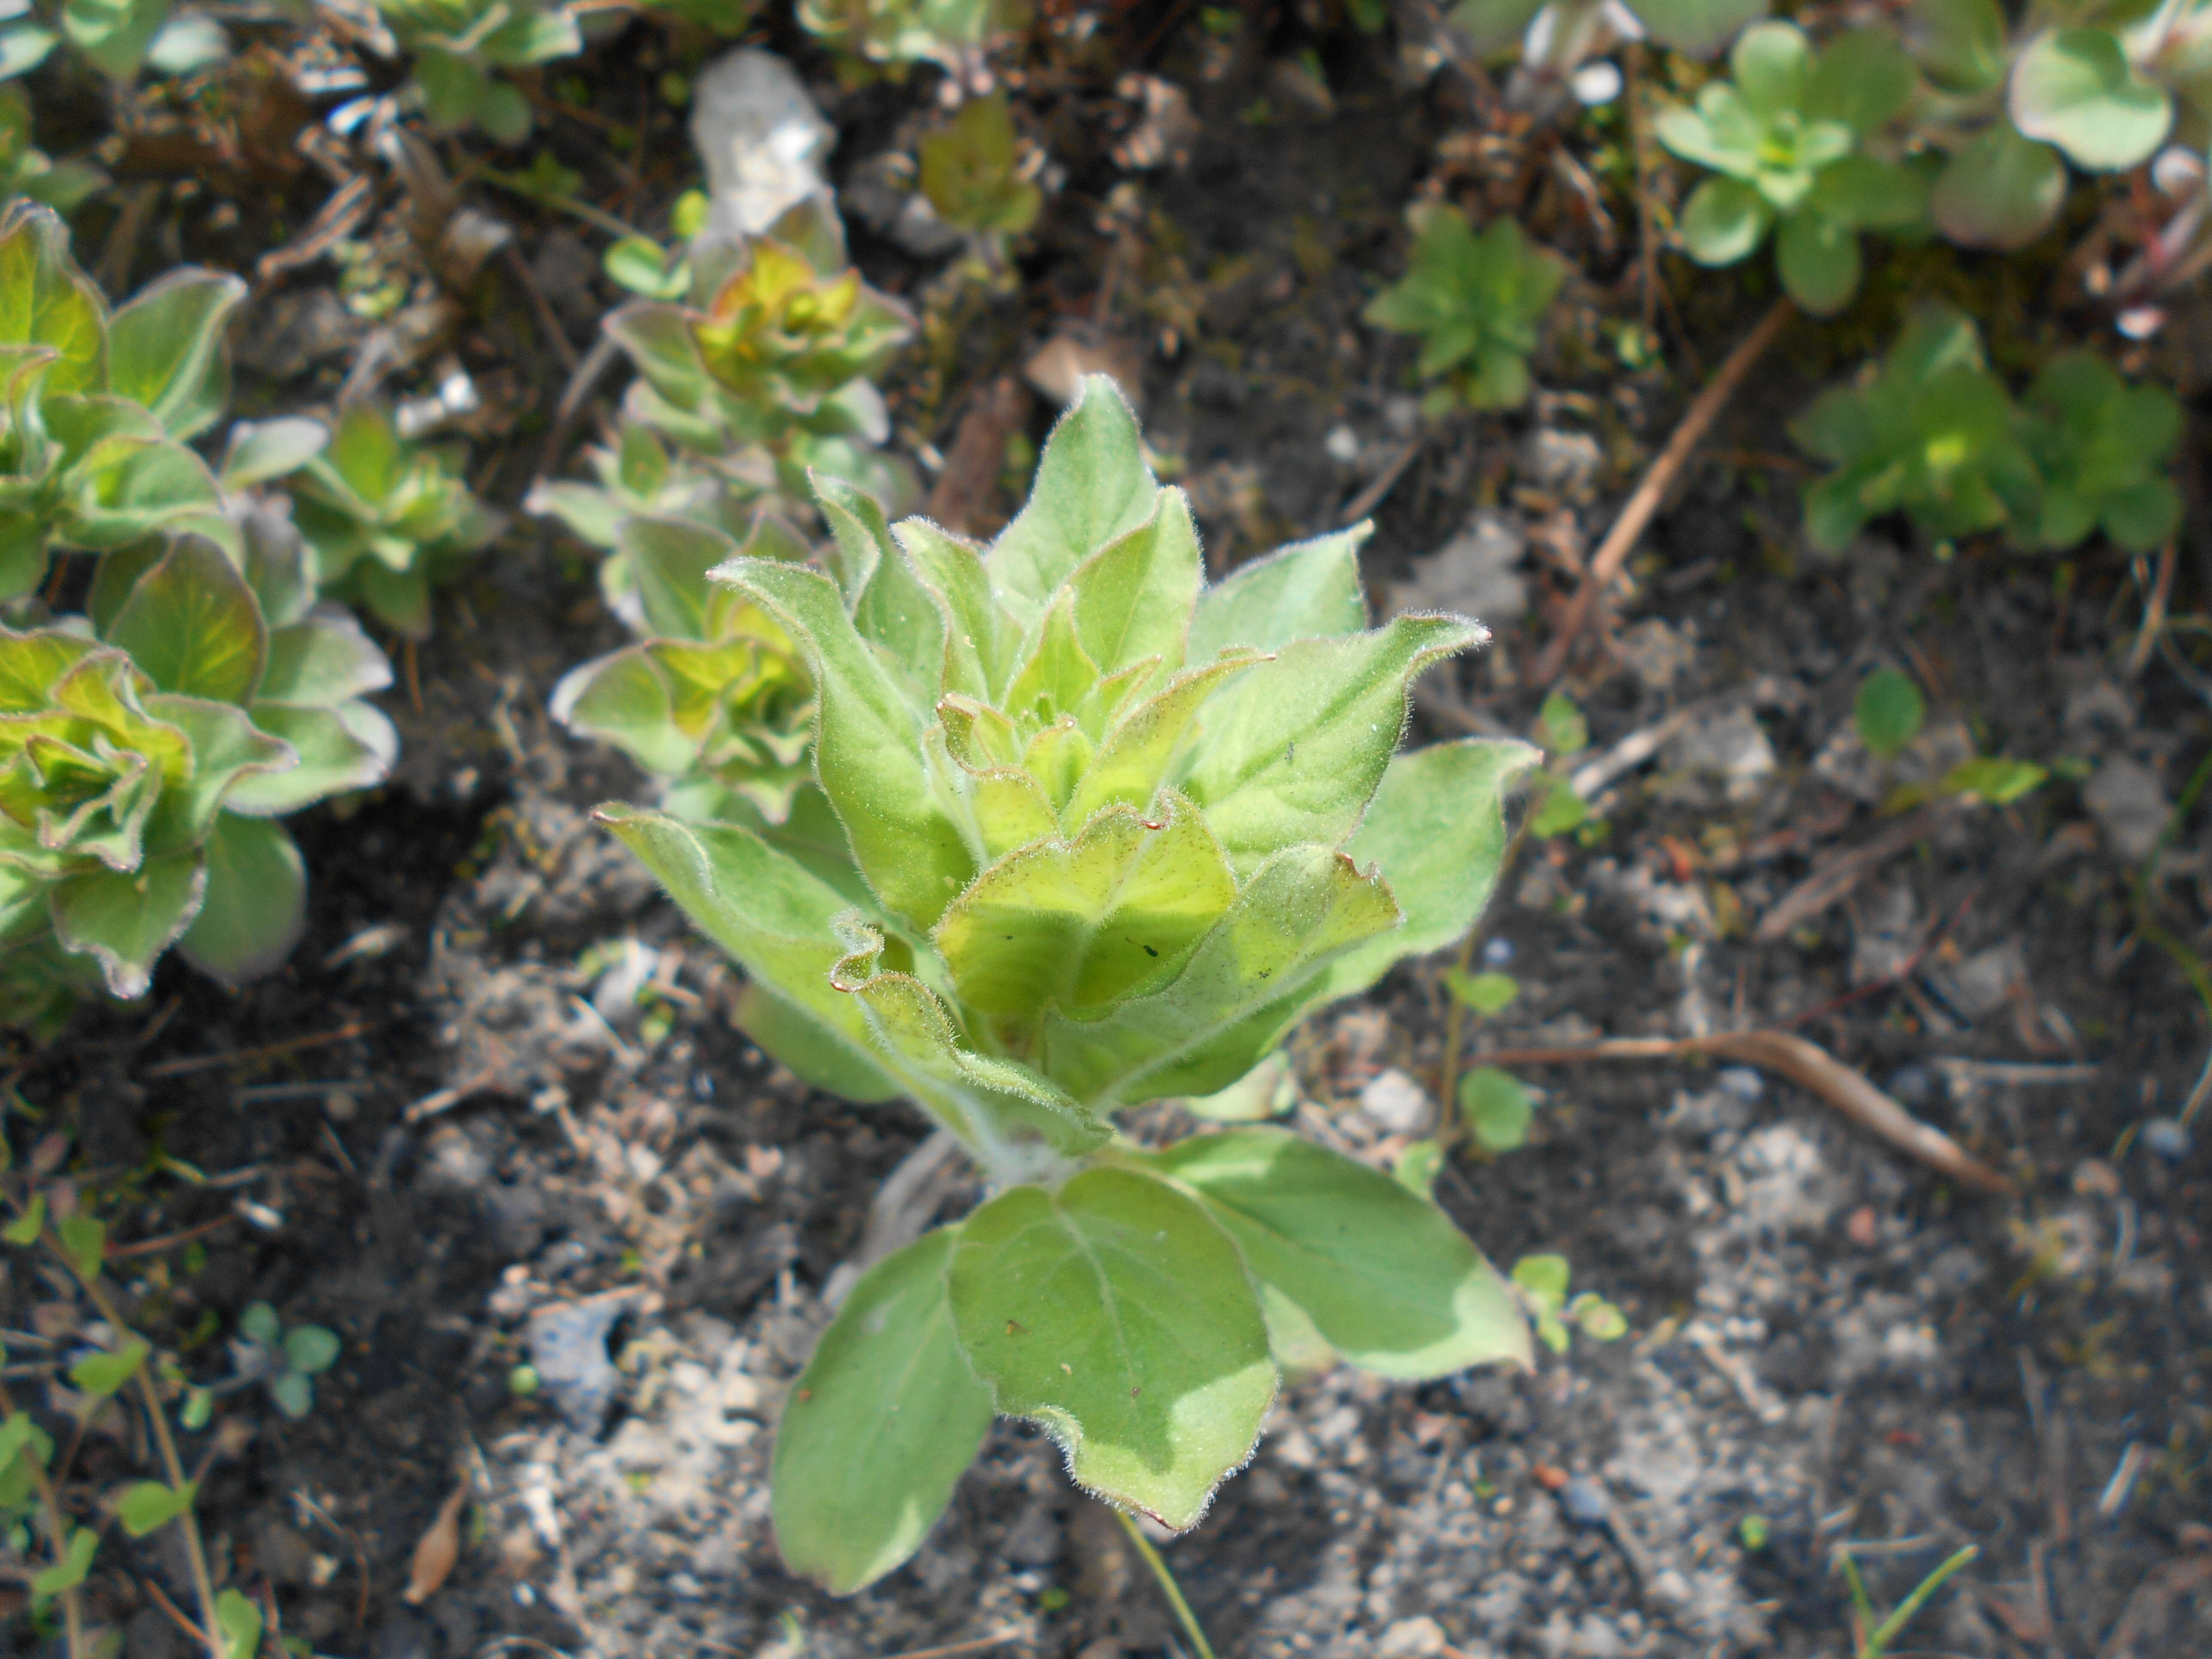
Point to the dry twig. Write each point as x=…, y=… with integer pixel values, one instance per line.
x=1628, y=528
x=1806, y=1064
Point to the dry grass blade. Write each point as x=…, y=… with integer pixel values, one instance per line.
x=1627, y=529
x=1835, y=877
x=437, y=1550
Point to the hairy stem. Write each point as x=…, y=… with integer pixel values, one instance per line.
x=1169, y=1588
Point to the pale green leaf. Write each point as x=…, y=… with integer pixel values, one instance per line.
x=334, y=754
x=2075, y=89
x=102, y=1374
x=1292, y=750
x=1495, y=1108
x=1116, y=1313
x=1092, y=487
x=1306, y=590
x=124, y=921
x=1436, y=829
x=2002, y=191
x=191, y=624
x=1080, y=924
x=256, y=904
x=1133, y=597
x=879, y=1425
x=149, y=1506
x=1245, y=983
x=868, y=747
x=166, y=350
x=1383, y=1275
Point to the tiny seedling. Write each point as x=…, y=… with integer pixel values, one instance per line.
x=1787, y=137
x=1887, y=712
x=1496, y=1108
x=1476, y=302
x=1542, y=1281
x=1562, y=733
x=285, y=1361
x=1873, y=1634
x=387, y=518
x=1091, y=833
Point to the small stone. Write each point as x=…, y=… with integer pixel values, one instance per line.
x=1341, y=445
x=1729, y=745
x=1566, y=463
x=1585, y=1503
x=1395, y=1103
x=569, y=1349
x=761, y=139
x=1033, y=1540
x=1745, y=1084
x=1473, y=574
x=2129, y=806
x=1412, y=1638
x=1497, y=952
x=2094, y=1178
x=1863, y=1227
x=1656, y=653
x=402, y=1636
x=1986, y=981
x=1913, y=1084
x=2166, y=1138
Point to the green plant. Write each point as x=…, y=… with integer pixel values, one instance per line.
x=387, y=516
x=644, y=267
x=1930, y=432
x=1496, y=1108
x=117, y=37
x=459, y=48
x=95, y=408
x=1101, y=835
x=1933, y=433
x=1787, y=136
x=958, y=34
x=284, y=1360
x=147, y=751
x=2103, y=447
x=1541, y=1282
x=1887, y=712
x=713, y=700
x=25, y=169
x=1873, y=1635
x=1475, y=302
x=970, y=173
x=770, y=378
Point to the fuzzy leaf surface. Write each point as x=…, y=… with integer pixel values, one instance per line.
x=1383, y=1275
x=879, y=1426
x=1115, y=1312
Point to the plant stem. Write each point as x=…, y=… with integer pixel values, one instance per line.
x=49, y=1503
x=1173, y=1591
x=195, y=1551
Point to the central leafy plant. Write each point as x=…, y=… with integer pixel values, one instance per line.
x=459, y=47
x=1086, y=833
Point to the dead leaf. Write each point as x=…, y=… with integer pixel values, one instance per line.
x=437, y=1550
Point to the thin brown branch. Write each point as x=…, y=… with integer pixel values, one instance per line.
x=1803, y=1063
x=1629, y=527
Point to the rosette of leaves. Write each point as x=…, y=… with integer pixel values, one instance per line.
x=461, y=48
x=714, y=699
x=1930, y=432
x=1097, y=833
x=2103, y=447
x=769, y=377
x=26, y=170
x=387, y=518
x=95, y=408
x=1787, y=138
x=959, y=35
x=1476, y=302
x=147, y=751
